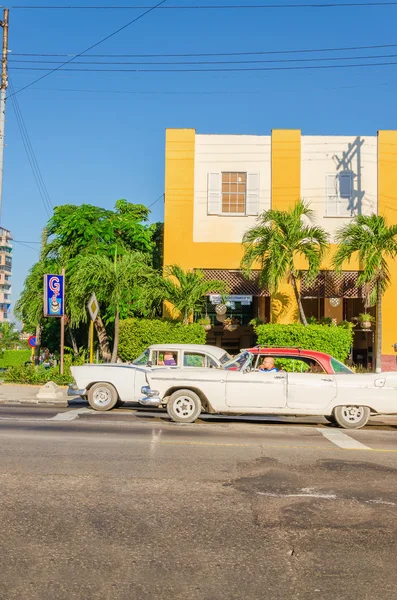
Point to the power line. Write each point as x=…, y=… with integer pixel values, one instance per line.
x=90, y=48
x=218, y=62
x=201, y=70
x=213, y=7
x=27, y=245
x=185, y=55
x=45, y=197
x=25, y=242
x=153, y=203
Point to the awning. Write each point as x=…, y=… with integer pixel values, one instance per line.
x=333, y=285
x=237, y=283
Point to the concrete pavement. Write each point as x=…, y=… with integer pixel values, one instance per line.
x=125, y=505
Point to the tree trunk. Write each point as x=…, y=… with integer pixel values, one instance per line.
x=299, y=301
x=378, y=362
x=38, y=345
x=116, y=337
x=103, y=339
x=73, y=340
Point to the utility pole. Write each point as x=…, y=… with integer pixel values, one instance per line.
x=3, y=90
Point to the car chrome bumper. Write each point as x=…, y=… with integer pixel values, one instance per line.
x=73, y=391
x=151, y=397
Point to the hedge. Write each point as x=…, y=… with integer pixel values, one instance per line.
x=13, y=358
x=336, y=341
x=138, y=334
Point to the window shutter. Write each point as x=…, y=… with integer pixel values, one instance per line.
x=252, y=197
x=331, y=209
x=214, y=193
x=346, y=184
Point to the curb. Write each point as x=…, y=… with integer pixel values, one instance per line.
x=62, y=402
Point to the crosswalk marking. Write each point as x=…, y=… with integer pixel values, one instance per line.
x=342, y=440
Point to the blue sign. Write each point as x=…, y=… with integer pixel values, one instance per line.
x=54, y=296
x=32, y=341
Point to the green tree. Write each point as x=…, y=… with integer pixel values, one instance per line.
x=185, y=290
x=275, y=242
x=117, y=283
x=374, y=242
x=9, y=336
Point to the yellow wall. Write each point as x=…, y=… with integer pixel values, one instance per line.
x=387, y=206
x=286, y=168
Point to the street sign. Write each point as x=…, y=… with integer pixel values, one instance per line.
x=32, y=341
x=54, y=295
x=93, y=307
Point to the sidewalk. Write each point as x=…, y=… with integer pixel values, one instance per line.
x=27, y=394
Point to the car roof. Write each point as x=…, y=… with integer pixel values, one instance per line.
x=213, y=350
x=289, y=351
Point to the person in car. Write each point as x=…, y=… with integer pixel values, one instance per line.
x=169, y=359
x=268, y=365
x=314, y=367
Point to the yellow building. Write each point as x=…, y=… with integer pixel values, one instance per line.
x=217, y=185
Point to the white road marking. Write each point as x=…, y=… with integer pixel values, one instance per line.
x=324, y=496
x=70, y=415
x=342, y=440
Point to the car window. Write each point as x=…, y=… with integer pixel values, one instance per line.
x=225, y=358
x=165, y=358
x=238, y=362
x=211, y=363
x=143, y=358
x=292, y=364
x=194, y=359
x=339, y=367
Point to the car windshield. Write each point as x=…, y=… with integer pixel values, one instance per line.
x=225, y=358
x=339, y=367
x=238, y=362
x=142, y=359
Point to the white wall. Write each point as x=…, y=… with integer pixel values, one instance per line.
x=217, y=153
x=321, y=155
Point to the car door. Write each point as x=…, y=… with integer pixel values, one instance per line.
x=256, y=389
x=310, y=391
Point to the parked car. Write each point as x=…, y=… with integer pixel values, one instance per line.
x=327, y=388
x=108, y=385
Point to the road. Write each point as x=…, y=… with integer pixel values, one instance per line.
x=126, y=505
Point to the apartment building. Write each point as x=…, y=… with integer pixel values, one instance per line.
x=217, y=185
x=5, y=273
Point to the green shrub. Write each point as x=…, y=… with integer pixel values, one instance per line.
x=40, y=375
x=336, y=341
x=138, y=334
x=13, y=358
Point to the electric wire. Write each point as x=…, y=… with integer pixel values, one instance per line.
x=90, y=48
x=214, y=6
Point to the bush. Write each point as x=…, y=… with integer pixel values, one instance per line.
x=13, y=358
x=40, y=375
x=138, y=334
x=336, y=341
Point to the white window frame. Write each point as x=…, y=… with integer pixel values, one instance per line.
x=339, y=200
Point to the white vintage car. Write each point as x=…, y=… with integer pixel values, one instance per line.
x=343, y=397
x=108, y=385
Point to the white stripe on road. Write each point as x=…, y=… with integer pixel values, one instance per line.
x=70, y=415
x=342, y=440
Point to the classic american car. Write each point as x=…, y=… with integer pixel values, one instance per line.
x=108, y=385
x=313, y=384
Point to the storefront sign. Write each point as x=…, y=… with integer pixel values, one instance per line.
x=217, y=299
x=54, y=296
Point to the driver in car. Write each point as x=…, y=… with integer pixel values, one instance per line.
x=268, y=365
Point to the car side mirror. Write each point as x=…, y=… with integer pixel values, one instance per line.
x=149, y=363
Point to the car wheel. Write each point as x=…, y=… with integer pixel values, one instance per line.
x=102, y=396
x=330, y=419
x=351, y=417
x=184, y=406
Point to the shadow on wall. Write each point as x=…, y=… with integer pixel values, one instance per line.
x=279, y=306
x=349, y=176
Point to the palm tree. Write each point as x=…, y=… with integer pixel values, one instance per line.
x=277, y=239
x=186, y=290
x=9, y=336
x=116, y=284
x=374, y=242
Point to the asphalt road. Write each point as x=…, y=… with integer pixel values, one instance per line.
x=126, y=505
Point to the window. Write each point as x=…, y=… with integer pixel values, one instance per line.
x=142, y=359
x=340, y=189
x=194, y=359
x=233, y=193
x=339, y=367
x=234, y=187
x=165, y=358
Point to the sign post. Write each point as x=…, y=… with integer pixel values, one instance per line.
x=32, y=345
x=93, y=309
x=54, y=304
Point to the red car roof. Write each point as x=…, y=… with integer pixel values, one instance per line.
x=289, y=351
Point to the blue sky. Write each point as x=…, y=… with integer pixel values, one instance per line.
x=107, y=142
